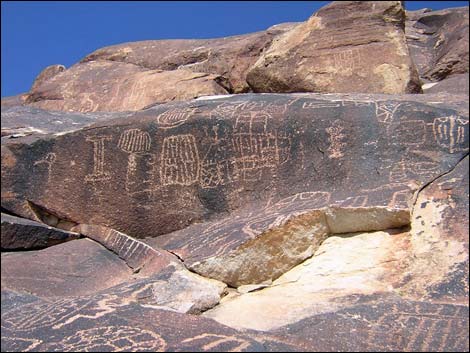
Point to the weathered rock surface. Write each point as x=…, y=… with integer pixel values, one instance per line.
x=47, y=74
x=208, y=158
x=20, y=120
x=385, y=324
x=429, y=262
x=438, y=42
x=217, y=155
x=115, y=86
x=345, y=47
x=78, y=267
x=23, y=234
x=456, y=84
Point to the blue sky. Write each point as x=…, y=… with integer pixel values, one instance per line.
x=41, y=33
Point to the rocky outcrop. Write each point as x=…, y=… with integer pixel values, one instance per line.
x=345, y=47
x=254, y=222
x=46, y=74
x=23, y=234
x=438, y=42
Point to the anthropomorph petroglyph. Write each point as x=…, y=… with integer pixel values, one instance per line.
x=99, y=172
x=141, y=165
x=48, y=160
x=451, y=133
x=336, y=138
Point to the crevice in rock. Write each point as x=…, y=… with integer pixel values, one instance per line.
x=425, y=185
x=50, y=218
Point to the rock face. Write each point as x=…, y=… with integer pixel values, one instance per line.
x=64, y=270
x=105, y=86
x=23, y=234
x=348, y=46
x=245, y=222
x=243, y=151
x=438, y=42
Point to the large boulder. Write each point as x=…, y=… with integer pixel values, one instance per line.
x=131, y=76
x=115, y=86
x=347, y=46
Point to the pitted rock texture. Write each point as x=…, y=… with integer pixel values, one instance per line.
x=22, y=234
x=347, y=46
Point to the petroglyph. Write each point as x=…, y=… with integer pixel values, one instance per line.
x=48, y=160
x=337, y=139
x=134, y=141
x=451, y=132
x=216, y=342
x=180, y=162
x=174, y=117
x=216, y=166
x=141, y=166
x=411, y=132
x=420, y=328
x=385, y=111
x=256, y=147
x=113, y=339
x=354, y=201
x=404, y=171
x=99, y=173
x=347, y=60
x=321, y=104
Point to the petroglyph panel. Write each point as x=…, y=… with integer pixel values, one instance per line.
x=180, y=160
x=451, y=133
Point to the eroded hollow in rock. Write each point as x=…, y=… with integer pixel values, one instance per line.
x=50, y=217
x=278, y=249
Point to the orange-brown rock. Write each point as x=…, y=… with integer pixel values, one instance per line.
x=114, y=86
x=47, y=74
x=352, y=46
